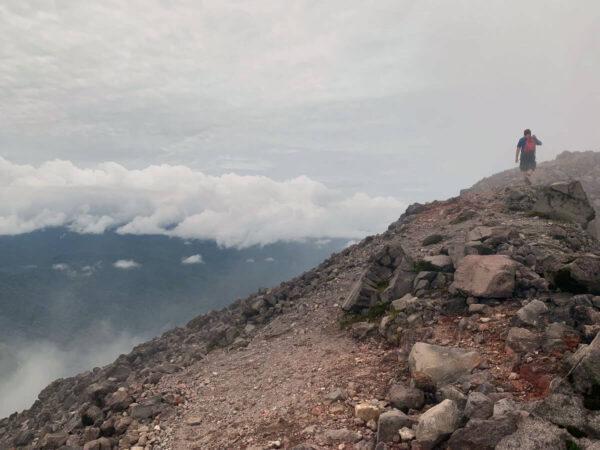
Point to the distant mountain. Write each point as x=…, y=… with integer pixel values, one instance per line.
x=582, y=166
x=56, y=285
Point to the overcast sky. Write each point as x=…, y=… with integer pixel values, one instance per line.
x=395, y=100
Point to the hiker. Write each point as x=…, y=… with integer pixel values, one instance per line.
x=526, y=151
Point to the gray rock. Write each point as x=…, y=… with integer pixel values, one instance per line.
x=407, y=303
x=119, y=400
x=451, y=393
x=52, y=441
x=149, y=408
x=535, y=434
x=92, y=415
x=102, y=443
x=581, y=275
x=23, y=438
x=504, y=407
x=337, y=395
x=442, y=365
x=566, y=201
x=481, y=434
x=432, y=239
x=485, y=276
x=532, y=313
x=389, y=424
x=341, y=435
x=522, y=340
x=479, y=233
x=585, y=365
x=362, y=330
x=566, y=411
x=405, y=398
x=389, y=276
x=440, y=263
x=437, y=423
x=479, y=406
x=478, y=308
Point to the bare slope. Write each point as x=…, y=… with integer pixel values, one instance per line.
x=457, y=321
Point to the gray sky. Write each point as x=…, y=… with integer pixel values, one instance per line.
x=405, y=99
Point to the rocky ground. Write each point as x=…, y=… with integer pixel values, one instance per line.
x=470, y=324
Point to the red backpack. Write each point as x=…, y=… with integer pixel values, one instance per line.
x=530, y=144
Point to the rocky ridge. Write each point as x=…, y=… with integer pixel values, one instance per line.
x=568, y=166
x=471, y=323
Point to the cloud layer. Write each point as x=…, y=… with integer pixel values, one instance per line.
x=394, y=97
x=177, y=201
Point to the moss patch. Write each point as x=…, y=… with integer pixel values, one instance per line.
x=433, y=239
x=373, y=315
x=382, y=285
x=424, y=266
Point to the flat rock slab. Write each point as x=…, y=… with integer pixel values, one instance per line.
x=442, y=365
x=486, y=276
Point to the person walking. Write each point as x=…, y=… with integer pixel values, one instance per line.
x=526, y=148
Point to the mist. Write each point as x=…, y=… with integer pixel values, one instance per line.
x=28, y=367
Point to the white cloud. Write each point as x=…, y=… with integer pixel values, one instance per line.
x=250, y=260
x=270, y=259
x=177, y=201
x=126, y=264
x=61, y=267
x=194, y=259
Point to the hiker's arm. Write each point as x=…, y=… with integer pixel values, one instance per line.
x=517, y=154
x=537, y=141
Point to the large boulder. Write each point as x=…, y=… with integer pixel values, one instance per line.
x=585, y=373
x=486, y=276
x=535, y=434
x=582, y=275
x=438, y=422
x=566, y=201
x=441, y=365
x=389, y=276
x=482, y=434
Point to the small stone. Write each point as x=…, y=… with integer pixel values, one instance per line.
x=532, y=313
x=337, y=395
x=193, y=421
x=367, y=411
x=405, y=398
x=406, y=434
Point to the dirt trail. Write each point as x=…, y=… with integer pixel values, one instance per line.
x=277, y=386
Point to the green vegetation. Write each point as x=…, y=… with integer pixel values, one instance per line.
x=382, y=285
x=433, y=239
x=373, y=314
x=424, y=266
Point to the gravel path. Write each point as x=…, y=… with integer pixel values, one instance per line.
x=276, y=388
